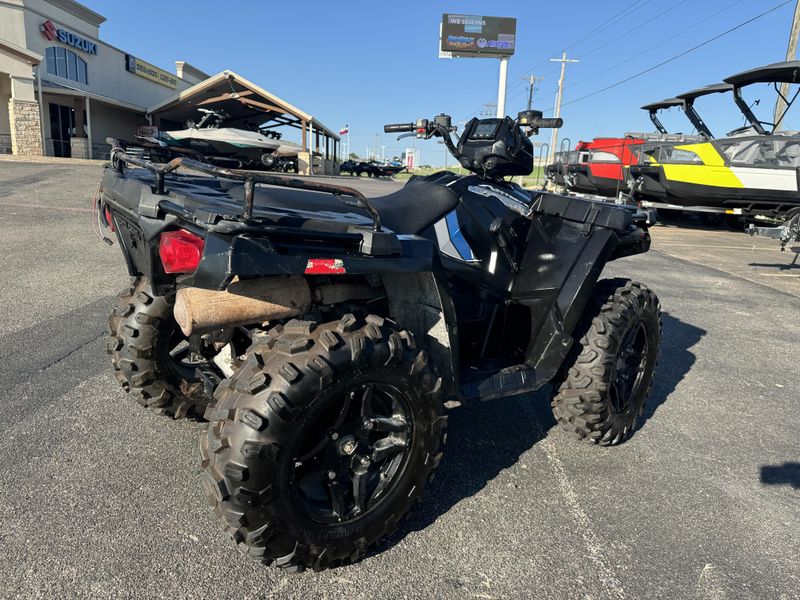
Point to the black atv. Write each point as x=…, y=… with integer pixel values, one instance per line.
x=320, y=332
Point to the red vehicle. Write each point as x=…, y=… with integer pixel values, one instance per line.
x=601, y=166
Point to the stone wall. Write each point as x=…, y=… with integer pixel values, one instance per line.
x=26, y=133
x=79, y=147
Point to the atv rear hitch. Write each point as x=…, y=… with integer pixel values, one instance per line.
x=119, y=158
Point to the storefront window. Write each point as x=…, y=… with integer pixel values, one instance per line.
x=65, y=63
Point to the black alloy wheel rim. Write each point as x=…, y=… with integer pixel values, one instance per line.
x=176, y=356
x=630, y=366
x=353, y=455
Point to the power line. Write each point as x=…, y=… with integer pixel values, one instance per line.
x=597, y=74
x=680, y=54
x=636, y=5
x=632, y=29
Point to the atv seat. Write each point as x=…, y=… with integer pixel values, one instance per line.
x=415, y=206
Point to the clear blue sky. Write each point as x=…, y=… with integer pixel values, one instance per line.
x=370, y=63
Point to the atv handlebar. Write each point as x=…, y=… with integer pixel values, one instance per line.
x=547, y=123
x=398, y=127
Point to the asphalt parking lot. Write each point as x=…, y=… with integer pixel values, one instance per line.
x=100, y=499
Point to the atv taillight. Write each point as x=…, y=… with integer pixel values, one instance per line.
x=325, y=266
x=180, y=251
x=109, y=220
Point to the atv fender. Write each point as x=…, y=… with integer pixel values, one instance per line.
x=421, y=303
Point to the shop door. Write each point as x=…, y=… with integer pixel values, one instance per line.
x=62, y=124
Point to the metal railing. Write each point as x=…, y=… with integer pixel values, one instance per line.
x=119, y=158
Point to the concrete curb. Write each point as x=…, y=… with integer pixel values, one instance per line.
x=51, y=160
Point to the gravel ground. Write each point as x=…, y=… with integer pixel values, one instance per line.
x=101, y=499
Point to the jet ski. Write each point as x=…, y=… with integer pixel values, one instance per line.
x=231, y=146
x=752, y=170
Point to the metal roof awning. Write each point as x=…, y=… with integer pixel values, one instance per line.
x=60, y=88
x=239, y=98
x=717, y=88
x=667, y=103
x=780, y=72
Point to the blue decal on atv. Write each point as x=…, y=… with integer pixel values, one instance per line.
x=458, y=238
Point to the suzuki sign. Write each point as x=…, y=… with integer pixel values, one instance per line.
x=51, y=32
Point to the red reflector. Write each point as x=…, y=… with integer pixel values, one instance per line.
x=109, y=220
x=325, y=266
x=180, y=251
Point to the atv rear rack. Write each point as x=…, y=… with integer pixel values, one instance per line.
x=119, y=158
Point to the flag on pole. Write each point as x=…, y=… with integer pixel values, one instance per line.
x=345, y=129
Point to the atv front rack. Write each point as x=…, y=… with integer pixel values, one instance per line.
x=119, y=158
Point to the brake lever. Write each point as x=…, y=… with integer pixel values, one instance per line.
x=405, y=135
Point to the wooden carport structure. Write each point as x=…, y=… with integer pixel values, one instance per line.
x=244, y=101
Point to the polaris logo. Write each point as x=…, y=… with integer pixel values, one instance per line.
x=51, y=32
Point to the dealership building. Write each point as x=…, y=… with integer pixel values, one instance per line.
x=63, y=91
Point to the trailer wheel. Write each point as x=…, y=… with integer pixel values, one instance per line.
x=320, y=443
x=150, y=355
x=601, y=389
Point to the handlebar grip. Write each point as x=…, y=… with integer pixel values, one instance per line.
x=398, y=127
x=548, y=123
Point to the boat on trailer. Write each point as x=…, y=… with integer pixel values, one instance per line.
x=600, y=167
x=752, y=170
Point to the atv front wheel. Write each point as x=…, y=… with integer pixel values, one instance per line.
x=606, y=378
x=151, y=356
x=323, y=439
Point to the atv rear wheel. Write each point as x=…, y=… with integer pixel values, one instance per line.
x=151, y=356
x=323, y=439
x=606, y=378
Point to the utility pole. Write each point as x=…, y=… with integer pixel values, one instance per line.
x=375, y=146
x=554, y=138
x=383, y=153
x=791, y=53
x=531, y=83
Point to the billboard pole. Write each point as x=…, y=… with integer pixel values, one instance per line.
x=501, y=89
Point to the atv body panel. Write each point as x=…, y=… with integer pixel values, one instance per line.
x=492, y=276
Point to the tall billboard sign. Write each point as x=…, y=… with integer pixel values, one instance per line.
x=472, y=36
